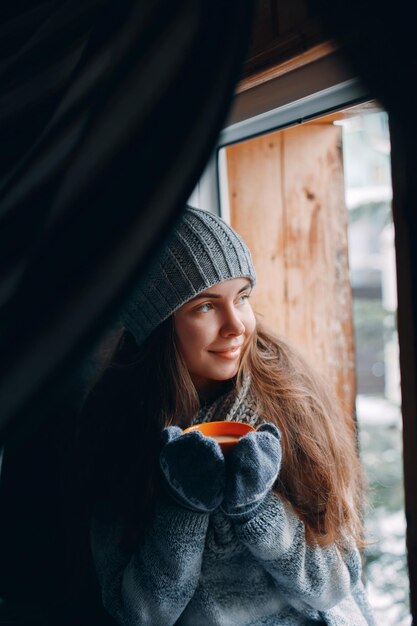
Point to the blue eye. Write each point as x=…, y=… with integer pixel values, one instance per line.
x=204, y=308
x=243, y=297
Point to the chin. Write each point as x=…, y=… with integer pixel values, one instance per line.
x=227, y=375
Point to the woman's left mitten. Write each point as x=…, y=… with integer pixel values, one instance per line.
x=194, y=469
x=252, y=468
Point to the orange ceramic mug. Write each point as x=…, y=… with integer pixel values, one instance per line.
x=227, y=434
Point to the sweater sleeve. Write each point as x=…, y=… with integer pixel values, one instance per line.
x=312, y=577
x=153, y=585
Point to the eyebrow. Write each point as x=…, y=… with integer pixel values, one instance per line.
x=216, y=296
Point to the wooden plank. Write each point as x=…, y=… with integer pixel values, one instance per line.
x=256, y=211
x=318, y=286
x=280, y=32
x=295, y=62
x=264, y=27
x=287, y=200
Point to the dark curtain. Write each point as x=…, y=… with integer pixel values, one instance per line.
x=109, y=111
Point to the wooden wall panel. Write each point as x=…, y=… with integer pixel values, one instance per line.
x=256, y=211
x=318, y=286
x=286, y=197
x=281, y=30
x=265, y=28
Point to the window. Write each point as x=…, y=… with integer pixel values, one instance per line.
x=292, y=192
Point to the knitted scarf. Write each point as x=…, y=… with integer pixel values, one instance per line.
x=237, y=405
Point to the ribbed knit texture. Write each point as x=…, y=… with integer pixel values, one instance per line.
x=200, y=569
x=252, y=467
x=201, y=251
x=202, y=488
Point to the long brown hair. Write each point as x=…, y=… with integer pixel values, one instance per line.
x=321, y=475
x=137, y=392
x=145, y=389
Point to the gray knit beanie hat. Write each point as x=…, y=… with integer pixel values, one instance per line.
x=201, y=251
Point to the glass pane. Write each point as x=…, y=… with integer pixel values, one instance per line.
x=368, y=193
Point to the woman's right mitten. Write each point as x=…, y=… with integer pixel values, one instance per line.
x=193, y=468
x=252, y=469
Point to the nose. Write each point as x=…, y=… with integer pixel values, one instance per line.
x=232, y=324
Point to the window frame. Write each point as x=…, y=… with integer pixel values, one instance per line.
x=317, y=88
x=314, y=90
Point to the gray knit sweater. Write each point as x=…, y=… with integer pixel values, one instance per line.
x=196, y=569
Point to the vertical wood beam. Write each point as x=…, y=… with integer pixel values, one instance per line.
x=286, y=195
x=257, y=213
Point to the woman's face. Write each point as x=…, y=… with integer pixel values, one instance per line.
x=212, y=330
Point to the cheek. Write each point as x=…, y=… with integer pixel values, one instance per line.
x=250, y=323
x=191, y=340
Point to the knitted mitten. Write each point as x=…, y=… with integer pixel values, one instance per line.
x=194, y=469
x=252, y=468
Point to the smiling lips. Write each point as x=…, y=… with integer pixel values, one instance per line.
x=229, y=353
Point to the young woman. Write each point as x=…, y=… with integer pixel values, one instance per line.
x=179, y=535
